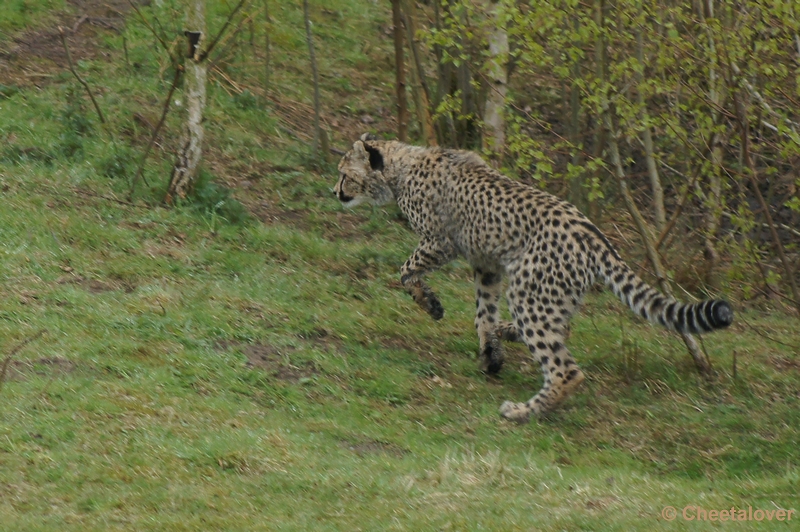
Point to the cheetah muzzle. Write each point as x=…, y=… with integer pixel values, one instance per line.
x=549, y=252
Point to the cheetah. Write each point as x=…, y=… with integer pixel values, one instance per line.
x=549, y=251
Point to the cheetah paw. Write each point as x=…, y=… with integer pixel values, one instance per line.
x=435, y=308
x=516, y=412
x=491, y=357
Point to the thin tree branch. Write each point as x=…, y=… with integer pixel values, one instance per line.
x=165, y=110
x=678, y=210
x=77, y=76
x=236, y=32
x=203, y=55
x=152, y=30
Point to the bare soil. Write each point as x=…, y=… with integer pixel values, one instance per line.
x=45, y=366
x=34, y=57
x=368, y=447
x=268, y=358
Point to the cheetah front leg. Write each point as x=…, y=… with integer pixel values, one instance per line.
x=428, y=257
x=487, y=323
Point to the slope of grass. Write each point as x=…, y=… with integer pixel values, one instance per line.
x=271, y=374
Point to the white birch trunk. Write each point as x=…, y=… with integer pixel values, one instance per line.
x=187, y=167
x=494, y=136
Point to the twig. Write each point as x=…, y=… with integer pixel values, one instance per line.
x=315, y=78
x=165, y=110
x=234, y=34
x=785, y=227
x=152, y=30
x=216, y=39
x=80, y=80
x=81, y=20
x=796, y=347
x=760, y=99
x=13, y=352
x=89, y=194
x=678, y=210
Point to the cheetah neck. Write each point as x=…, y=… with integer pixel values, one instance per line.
x=398, y=160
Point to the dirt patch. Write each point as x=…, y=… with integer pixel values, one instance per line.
x=268, y=358
x=784, y=364
x=45, y=366
x=371, y=447
x=96, y=286
x=268, y=213
x=32, y=58
x=323, y=339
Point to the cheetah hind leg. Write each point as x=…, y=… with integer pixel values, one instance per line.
x=487, y=318
x=508, y=331
x=561, y=377
x=545, y=400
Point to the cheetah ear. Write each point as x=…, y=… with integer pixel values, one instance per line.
x=359, y=151
x=375, y=157
x=368, y=136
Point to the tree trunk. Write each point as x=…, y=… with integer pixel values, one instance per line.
x=187, y=166
x=420, y=89
x=577, y=192
x=700, y=361
x=400, y=73
x=713, y=205
x=267, y=50
x=652, y=169
x=600, y=71
x=318, y=135
x=494, y=134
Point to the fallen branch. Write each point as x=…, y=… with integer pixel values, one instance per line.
x=13, y=353
x=88, y=194
x=796, y=347
x=80, y=80
x=81, y=20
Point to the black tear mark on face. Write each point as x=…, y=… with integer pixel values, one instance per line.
x=375, y=158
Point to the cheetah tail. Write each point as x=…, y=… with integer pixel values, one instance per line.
x=654, y=306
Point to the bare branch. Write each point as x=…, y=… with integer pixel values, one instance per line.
x=164, y=111
x=203, y=55
x=75, y=73
x=152, y=30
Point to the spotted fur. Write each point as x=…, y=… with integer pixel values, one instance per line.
x=549, y=251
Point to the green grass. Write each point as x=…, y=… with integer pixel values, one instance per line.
x=23, y=14
x=271, y=374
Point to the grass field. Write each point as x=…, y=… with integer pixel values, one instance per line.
x=255, y=365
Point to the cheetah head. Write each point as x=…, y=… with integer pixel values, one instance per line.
x=361, y=177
